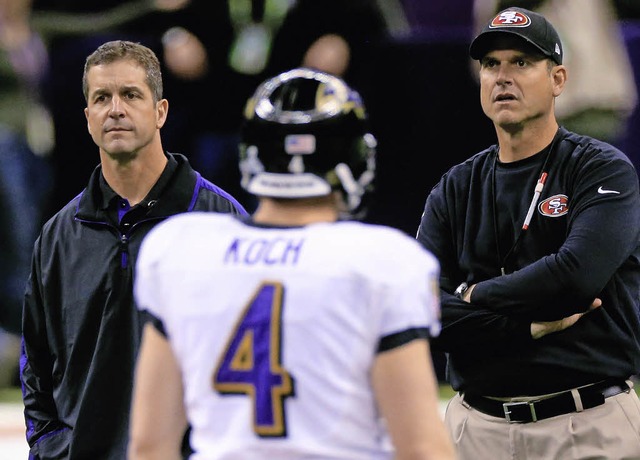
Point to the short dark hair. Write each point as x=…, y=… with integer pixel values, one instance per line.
x=117, y=50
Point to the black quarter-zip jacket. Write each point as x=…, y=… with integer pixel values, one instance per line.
x=81, y=330
x=582, y=243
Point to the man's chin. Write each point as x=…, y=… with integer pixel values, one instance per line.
x=120, y=152
x=508, y=122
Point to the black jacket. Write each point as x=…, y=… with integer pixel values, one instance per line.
x=81, y=331
x=583, y=242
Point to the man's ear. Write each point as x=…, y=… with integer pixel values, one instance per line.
x=86, y=115
x=559, y=74
x=162, y=109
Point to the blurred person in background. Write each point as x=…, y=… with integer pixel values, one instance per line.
x=361, y=24
x=344, y=38
x=629, y=22
x=26, y=141
x=272, y=36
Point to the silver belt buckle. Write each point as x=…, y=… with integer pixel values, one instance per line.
x=507, y=412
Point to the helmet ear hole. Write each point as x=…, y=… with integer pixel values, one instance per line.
x=305, y=134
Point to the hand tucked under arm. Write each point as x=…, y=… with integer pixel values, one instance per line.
x=540, y=329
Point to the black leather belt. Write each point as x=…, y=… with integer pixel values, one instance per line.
x=539, y=409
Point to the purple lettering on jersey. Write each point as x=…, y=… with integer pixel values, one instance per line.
x=278, y=250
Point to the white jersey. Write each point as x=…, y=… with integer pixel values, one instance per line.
x=276, y=329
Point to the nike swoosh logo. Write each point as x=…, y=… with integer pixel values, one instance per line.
x=602, y=191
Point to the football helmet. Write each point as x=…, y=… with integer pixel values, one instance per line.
x=305, y=134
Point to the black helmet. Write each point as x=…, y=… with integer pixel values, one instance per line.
x=306, y=134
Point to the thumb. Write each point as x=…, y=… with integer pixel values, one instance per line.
x=595, y=304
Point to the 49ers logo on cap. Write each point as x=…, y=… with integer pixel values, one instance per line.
x=510, y=19
x=554, y=206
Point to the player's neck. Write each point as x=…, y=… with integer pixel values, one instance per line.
x=296, y=212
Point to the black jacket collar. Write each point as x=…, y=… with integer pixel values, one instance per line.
x=171, y=194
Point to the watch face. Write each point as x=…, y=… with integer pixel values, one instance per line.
x=460, y=290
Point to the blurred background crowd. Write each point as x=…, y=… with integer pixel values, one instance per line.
x=408, y=59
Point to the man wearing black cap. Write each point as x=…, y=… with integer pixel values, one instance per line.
x=538, y=238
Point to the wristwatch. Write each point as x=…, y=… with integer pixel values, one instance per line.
x=460, y=290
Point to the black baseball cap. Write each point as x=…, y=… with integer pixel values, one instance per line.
x=533, y=27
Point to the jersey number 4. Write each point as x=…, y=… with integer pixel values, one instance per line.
x=251, y=363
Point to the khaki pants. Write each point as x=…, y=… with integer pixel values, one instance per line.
x=607, y=432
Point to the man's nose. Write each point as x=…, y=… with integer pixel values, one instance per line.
x=116, y=107
x=504, y=75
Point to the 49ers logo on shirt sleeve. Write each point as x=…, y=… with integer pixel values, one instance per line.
x=554, y=206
